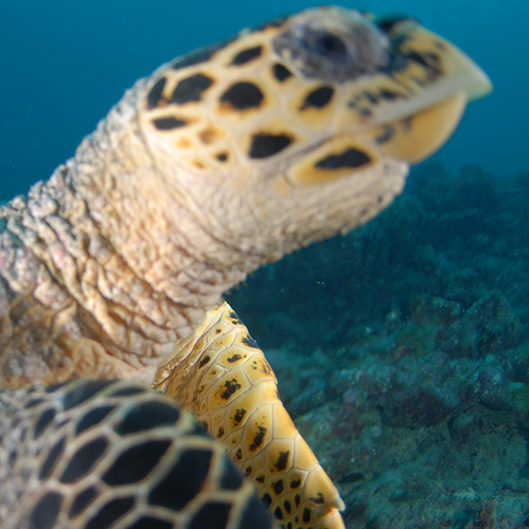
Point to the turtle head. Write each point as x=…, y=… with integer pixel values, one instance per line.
x=304, y=127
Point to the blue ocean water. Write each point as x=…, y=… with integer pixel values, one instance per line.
x=64, y=63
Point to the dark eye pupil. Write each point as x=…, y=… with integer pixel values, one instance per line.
x=331, y=47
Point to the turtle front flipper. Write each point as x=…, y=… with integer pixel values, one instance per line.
x=222, y=376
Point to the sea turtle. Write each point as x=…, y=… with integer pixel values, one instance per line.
x=219, y=162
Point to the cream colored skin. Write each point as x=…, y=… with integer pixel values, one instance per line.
x=114, y=261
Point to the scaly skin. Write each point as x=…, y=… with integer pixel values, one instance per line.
x=89, y=452
x=225, y=380
x=216, y=164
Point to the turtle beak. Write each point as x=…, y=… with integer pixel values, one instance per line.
x=409, y=109
x=447, y=80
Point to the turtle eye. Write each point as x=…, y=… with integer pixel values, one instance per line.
x=330, y=46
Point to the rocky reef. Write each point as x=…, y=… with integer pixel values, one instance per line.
x=402, y=351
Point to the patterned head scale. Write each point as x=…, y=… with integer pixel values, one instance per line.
x=308, y=110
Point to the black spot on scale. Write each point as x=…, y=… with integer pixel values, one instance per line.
x=155, y=95
x=386, y=135
x=148, y=522
x=239, y=415
x=190, y=89
x=148, y=415
x=349, y=158
x=82, y=500
x=234, y=358
x=109, y=513
x=278, y=513
x=55, y=387
x=44, y=514
x=221, y=157
x=319, y=500
x=265, y=145
x=135, y=463
x=44, y=421
x=249, y=341
x=83, y=391
x=282, y=460
x=389, y=95
x=32, y=403
x=370, y=97
x=83, y=460
x=245, y=56
x=281, y=73
x=127, y=391
x=214, y=514
x=295, y=483
x=201, y=55
x=168, y=123
x=428, y=60
x=258, y=439
x=92, y=418
x=204, y=361
x=318, y=98
x=51, y=459
x=184, y=481
x=242, y=96
x=231, y=386
x=306, y=515
x=278, y=486
x=235, y=318
x=365, y=112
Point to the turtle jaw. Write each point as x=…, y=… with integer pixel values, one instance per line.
x=414, y=129
x=406, y=111
x=422, y=134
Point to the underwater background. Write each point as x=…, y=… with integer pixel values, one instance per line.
x=402, y=349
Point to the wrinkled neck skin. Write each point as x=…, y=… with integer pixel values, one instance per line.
x=150, y=222
x=102, y=269
x=106, y=267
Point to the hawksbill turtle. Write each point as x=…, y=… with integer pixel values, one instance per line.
x=112, y=271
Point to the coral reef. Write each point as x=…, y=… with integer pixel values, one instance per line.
x=402, y=350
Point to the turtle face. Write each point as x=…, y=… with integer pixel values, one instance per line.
x=307, y=121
